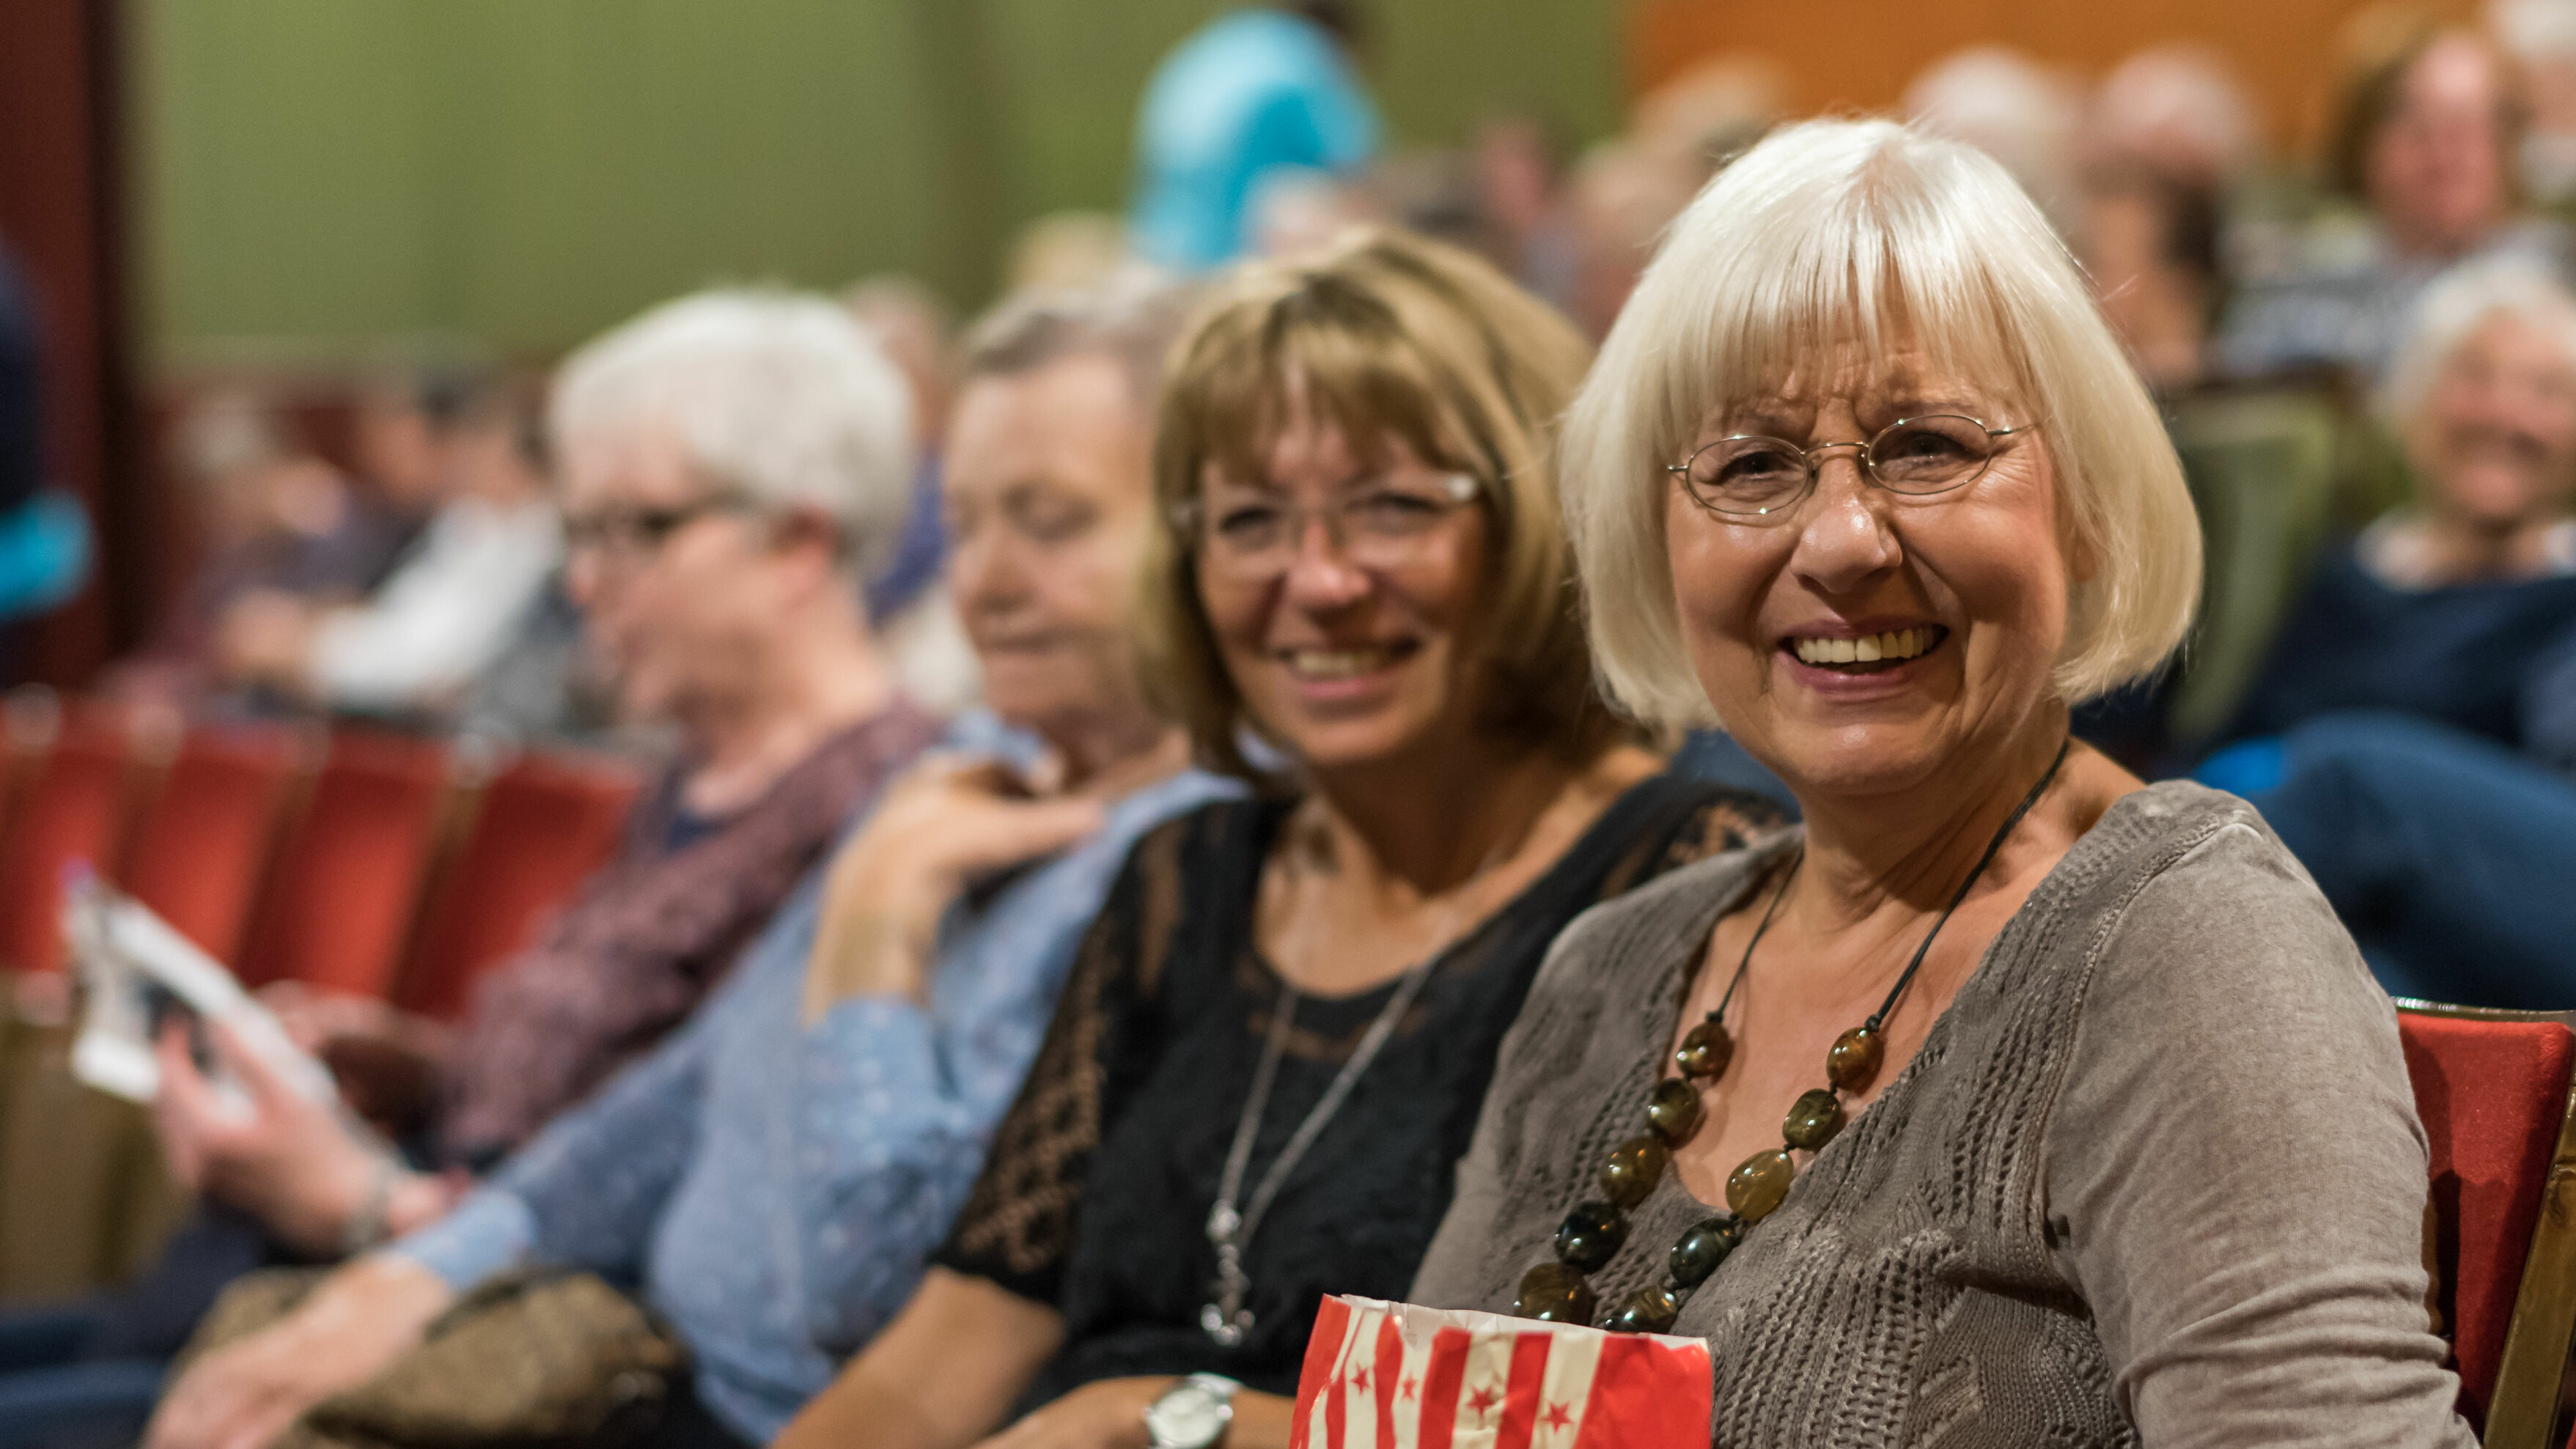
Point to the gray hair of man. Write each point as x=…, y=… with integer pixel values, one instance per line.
x=1131, y=318
x=777, y=396
x=2454, y=307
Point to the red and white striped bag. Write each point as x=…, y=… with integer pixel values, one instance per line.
x=1395, y=1376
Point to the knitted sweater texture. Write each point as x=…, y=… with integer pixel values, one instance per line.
x=2155, y=1177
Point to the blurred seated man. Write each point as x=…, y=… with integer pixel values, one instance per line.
x=776, y=1175
x=452, y=607
x=733, y=462
x=2425, y=142
x=2402, y=738
x=270, y=516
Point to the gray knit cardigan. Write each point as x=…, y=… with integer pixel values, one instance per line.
x=2155, y=1178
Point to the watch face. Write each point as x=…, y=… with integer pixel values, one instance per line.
x=1187, y=1416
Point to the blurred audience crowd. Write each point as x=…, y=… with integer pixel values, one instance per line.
x=867, y=588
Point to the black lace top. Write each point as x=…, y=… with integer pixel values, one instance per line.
x=1096, y=1196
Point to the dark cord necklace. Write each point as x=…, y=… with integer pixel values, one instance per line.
x=1593, y=1233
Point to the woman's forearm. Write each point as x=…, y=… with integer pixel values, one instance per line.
x=942, y=1375
x=1260, y=1421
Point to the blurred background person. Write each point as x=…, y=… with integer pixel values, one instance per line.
x=730, y=610
x=451, y=607
x=911, y=610
x=2149, y=241
x=2441, y=607
x=1713, y=109
x=2403, y=737
x=1256, y=91
x=2182, y=110
x=2540, y=35
x=2423, y=153
x=270, y=515
x=1623, y=195
x=2024, y=114
x=1523, y=208
x=905, y=986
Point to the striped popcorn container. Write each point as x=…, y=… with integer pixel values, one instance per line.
x=1394, y=1376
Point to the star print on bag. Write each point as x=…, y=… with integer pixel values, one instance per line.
x=1395, y=1376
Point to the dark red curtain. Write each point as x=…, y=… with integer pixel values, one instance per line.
x=62, y=214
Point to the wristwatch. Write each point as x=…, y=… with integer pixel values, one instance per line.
x=1192, y=1414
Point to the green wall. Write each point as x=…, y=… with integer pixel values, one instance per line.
x=320, y=175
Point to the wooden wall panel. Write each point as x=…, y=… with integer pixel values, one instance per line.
x=1860, y=53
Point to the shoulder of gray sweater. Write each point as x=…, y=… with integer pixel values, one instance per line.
x=2197, y=898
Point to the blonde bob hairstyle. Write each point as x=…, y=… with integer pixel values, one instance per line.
x=1386, y=336
x=1833, y=233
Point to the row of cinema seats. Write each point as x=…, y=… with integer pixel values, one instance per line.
x=352, y=861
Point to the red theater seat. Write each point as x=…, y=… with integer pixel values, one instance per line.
x=542, y=826
x=200, y=848
x=2493, y=1090
x=339, y=905
x=77, y=791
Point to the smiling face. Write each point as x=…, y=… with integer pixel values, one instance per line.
x=1349, y=662
x=1047, y=493
x=2495, y=440
x=1864, y=639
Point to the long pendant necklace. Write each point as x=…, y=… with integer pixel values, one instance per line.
x=1593, y=1233
x=1225, y=1318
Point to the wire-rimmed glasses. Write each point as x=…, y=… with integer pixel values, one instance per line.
x=1252, y=536
x=1749, y=476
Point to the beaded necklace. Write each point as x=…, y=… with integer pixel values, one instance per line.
x=1593, y=1233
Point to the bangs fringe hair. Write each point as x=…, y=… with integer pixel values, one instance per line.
x=1386, y=337
x=1835, y=233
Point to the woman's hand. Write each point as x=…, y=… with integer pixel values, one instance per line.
x=1110, y=1414
x=945, y=822
x=1107, y=1414
x=385, y=1060
x=244, y=1395
x=289, y=1160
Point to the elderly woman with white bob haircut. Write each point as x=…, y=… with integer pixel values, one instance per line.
x=2010, y=1101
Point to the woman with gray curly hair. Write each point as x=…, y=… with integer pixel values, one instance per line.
x=1863, y=475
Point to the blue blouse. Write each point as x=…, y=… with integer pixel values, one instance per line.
x=777, y=1191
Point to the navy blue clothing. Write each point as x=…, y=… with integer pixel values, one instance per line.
x=2446, y=855
x=2459, y=655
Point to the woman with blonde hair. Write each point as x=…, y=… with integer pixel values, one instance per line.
x=1272, y=1044
x=2009, y=1101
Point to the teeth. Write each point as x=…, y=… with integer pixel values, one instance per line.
x=1868, y=649
x=1337, y=663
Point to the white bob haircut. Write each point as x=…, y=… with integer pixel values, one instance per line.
x=781, y=397
x=1833, y=233
x=2455, y=308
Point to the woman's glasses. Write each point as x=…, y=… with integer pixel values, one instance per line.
x=1749, y=476
x=1254, y=536
x=634, y=534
